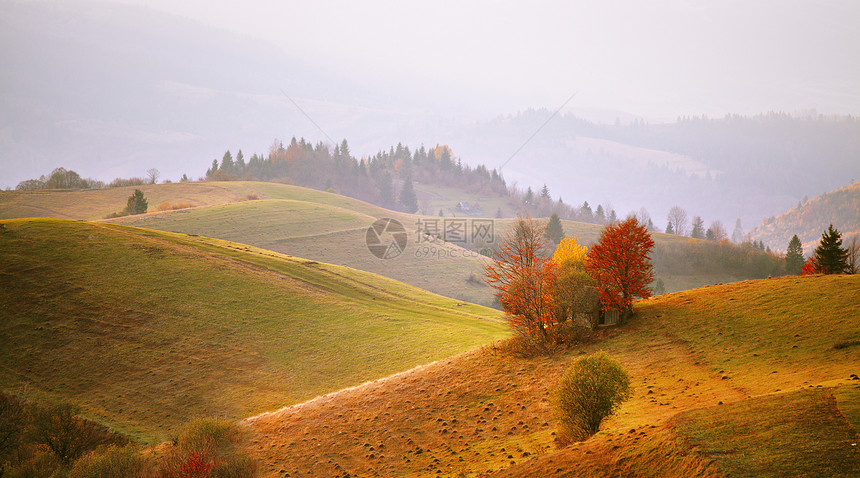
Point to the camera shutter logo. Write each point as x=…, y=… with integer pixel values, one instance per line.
x=386, y=238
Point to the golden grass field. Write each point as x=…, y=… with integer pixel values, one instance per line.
x=335, y=371
x=733, y=380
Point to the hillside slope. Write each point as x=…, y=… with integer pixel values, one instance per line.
x=95, y=204
x=332, y=228
x=740, y=380
x=811, y=218
x=148, y=329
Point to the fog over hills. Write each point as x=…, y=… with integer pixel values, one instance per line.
x=112, y=89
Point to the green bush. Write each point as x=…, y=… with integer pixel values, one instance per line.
x=591, y=389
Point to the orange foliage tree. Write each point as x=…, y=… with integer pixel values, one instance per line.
x=810, y=267
x=523, y=277
x=620, y=263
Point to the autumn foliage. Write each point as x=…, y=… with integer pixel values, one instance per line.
x=522, y=274
x=539, y=292
x=620, y=263
x=810, y=267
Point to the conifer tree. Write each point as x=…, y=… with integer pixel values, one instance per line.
x=227, y=162
x=830, y=256
x=408, y=199
x=698, y=231
x=554, y=231
x=599, y=214
x=544, y=192
x=386, y=190
x=136, y=203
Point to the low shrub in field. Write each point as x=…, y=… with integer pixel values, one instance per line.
x=166, y=206
x=590, y=390
x=208, y=448
x=113, y=462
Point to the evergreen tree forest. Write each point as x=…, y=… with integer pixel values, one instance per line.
x=385, y=179
x=389, y=178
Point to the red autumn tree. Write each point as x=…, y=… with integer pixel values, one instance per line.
x=621, y=265
x=522, y=275
x=810, y=267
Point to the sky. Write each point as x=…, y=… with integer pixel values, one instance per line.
x=658, y=60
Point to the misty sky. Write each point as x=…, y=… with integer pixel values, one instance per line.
x=658, y=59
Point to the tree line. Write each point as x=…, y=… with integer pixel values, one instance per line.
x=829, y=257
x=62, y=178
x=385, y=179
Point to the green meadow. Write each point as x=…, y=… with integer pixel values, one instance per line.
x=148, y=329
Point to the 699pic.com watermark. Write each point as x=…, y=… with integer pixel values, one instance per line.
x=388, y=238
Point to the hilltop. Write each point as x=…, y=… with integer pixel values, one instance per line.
x=812, y=217
x=740, y=379
x=147, y=329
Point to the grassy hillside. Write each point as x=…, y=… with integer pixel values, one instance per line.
x=808, y=220
x=330, y=228
x=148, y=329
x=734, y=380
x=95, y=204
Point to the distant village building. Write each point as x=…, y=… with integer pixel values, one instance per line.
x=463, y=206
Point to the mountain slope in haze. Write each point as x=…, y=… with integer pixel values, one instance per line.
x=725, y=379
x=719, y=169
x=811, y=218
x=148, y=329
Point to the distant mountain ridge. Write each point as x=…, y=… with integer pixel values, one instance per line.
x=809, y=219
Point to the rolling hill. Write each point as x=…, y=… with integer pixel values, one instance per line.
x=734, y=380
x=811, y=218
x=326, y=227
x=147, y=329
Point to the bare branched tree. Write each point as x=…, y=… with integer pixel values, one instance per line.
x=719, y=231
x=677, y=217
x=853, y=247
x=153, y=175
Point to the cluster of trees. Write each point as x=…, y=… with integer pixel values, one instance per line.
x=829, y=257
x=543, y=291
x=62, y=178
x=55, y=440
x=745, y=260
x=541, y=204
x=385, y=179
x=677, y=222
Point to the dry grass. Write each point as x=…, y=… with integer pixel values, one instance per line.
x=484, y=413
